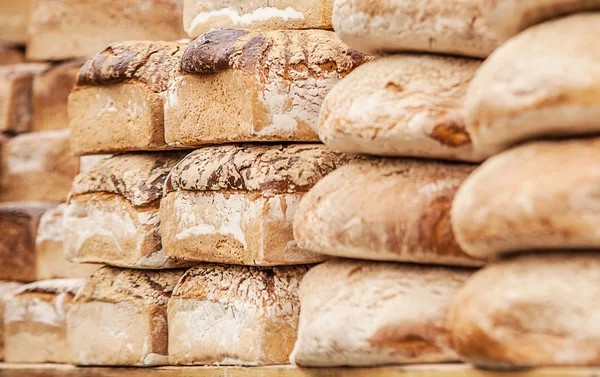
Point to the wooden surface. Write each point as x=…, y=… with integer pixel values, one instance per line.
x=446, y=370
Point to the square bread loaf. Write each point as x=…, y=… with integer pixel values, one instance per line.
x=234, y=315
x=65, y=29
x=14, y=19
x=35, y=322
x=10, y=55
x=7, y=290
x=235, y=203
x=120, y=318
x=112, y=215
x=37, y=166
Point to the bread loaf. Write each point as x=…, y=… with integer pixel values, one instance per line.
x=456, y=27
x=385, y=209
x=402, y=105
x=38, y=166
x=65, y=29
x=541, y=83
x=202, y=16
x=112, y=214
x=120, y=318
x=19, y=222
x=532, y=310
x=10, y=55
x=538, y=196
x=50, y=255
x=232, y=315
x=361, y=313
x=7, y=289
x=14, y=19
x=35, y=322
x=117, y=102
x=283, y=77
x=235, y=204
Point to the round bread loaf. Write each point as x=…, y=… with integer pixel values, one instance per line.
x=385, y=209
x=457, y=27
x=402, y=105
x=542, y=195
x=544, y=82
x=532, y=310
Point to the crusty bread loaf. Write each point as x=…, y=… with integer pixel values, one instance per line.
x=456, y=27
x=362, y=313
x=532, y=310
x=117, y=102
x=35, y=322
x=18, y=224
x=7, y=290
x=112, y=214
x=384, y=209
x=51, y=260
x=10, y=55
x=38, y=166
x=283, y=77
x=14, y=19
x=402, y=105
x=231, y=315
x=541, y=83
x=235, y=204
x=541, y=195
x=202, y=16
x=120, y=318
x=65, y=29
x=16, y=91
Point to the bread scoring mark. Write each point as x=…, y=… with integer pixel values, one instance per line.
x=451, y=132
x=212, y=51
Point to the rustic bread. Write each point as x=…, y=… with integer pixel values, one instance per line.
x=112, y=214
x=10, y=55
x=35, y=322
x=541, y=83
x=532, y=310
x=18, y=222
x=362, y=313
x=118, y=99
x=14, y=19
x=65, y=29
x=235, y=204
x=120, y=318
x=37, y=166
x=202, y=16
x=384, y=209
x=540, y=195
x=7, y=289
x=51, y=260
x=232, y=315
x=402, y=105
x=456, y=27
x=283, y=77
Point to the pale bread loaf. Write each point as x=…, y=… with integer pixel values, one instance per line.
x=14, y=19
x=384, y=209
x=35, y=322
x=120, y=318
x=362, y=313
x=10, y=55
x=402, y=105
x=202, y=16
x=234, y=315
x=235, y=204
x=7, y=290
x=544, y=82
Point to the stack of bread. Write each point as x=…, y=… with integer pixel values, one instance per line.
x=532, y=209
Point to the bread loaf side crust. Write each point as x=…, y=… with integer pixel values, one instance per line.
x=7, y=289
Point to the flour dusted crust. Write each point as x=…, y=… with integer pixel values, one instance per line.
x=45, y=175
x=14, y=19
x=541, y=83
x=456, y=27
x=402, y=105
x=119, y=318
x=384, y=209
x=232, y=315
x=117, y=102
x=532, y=310
x=235, y=204
x=35, y=322
x=358, y=313
x=10, y=55
x=112, y=215
x=64, y=29
x=7, y=289
x=283, y=76
x=202, y=16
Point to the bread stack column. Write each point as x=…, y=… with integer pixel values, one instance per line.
x=532, y=208
x=388, y=303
